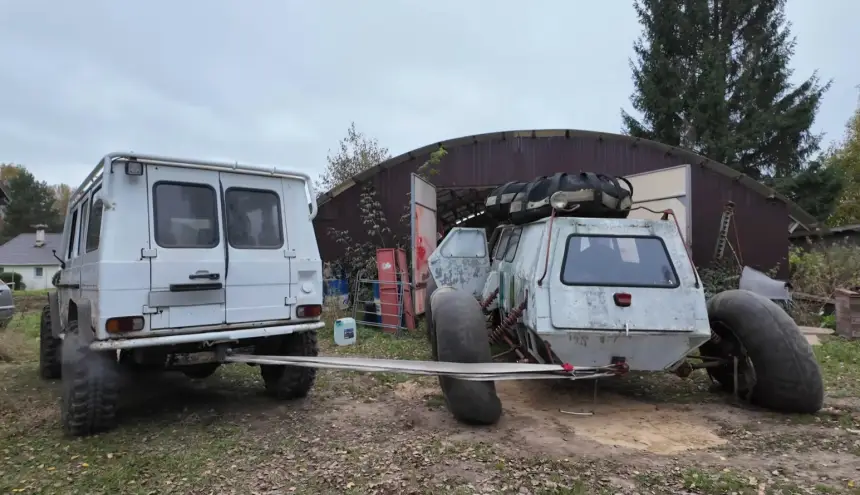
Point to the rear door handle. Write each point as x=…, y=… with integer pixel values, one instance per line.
x=204, y=275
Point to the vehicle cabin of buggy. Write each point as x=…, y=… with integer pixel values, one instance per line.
x=627, y=279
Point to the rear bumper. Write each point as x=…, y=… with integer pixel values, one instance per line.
x=642, y=351
x=194, y=338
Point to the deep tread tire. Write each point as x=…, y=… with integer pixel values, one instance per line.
x=200, y=371
x=289, y=382
x=90, y=387
x=50, y=348
x=787, y=375
x=458, y=333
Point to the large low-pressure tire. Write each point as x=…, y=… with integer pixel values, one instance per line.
x=90, y=387
x=50, y=348
x=289, y=382
x=777, y=368
x=457, y=330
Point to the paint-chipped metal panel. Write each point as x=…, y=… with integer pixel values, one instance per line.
x=423, y=235
x=678, y=309
x=462, y=261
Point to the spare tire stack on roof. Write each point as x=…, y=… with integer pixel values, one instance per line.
x=592, y=195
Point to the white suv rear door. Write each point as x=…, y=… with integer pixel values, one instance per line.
x=258, y=258
x=187, y=254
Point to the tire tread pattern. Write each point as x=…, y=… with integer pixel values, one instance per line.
x=458, y=333
x=788, y=377
x=90, y=387
x=290, y=382
x=50, y=348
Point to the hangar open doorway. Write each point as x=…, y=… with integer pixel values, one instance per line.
x=435, y=211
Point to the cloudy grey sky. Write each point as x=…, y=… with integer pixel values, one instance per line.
x=278, y=82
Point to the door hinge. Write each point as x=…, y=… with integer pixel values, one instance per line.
x=290, y=301
x=148, y=253
x=289, y=253
x=149, y=311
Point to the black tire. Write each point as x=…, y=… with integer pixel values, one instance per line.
x=200, y=371
x=50, y=348
x=90, y=387
x=784, y=375
x=457, y=329
x=289, y=382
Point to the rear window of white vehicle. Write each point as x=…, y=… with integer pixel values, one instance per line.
x=254, y=219
x=618, y=261
x=186, y=215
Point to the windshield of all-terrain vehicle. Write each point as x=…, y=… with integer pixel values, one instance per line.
x=617, y=261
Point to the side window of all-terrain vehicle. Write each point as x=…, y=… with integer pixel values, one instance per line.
x=94, y=225
x=513, y=243
x=467, y=244
x=501, y=245
x=186, y=215
x=79, y=250
x=72, y=234
x=254, y=219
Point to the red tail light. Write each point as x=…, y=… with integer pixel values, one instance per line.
x=309, y=311
x=622, y=299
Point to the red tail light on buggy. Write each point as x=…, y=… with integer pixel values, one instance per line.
x=622, y=299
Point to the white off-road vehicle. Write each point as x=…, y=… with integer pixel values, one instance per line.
x=171, y=264
x=604, y=296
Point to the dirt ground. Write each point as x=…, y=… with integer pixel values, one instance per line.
x=391, y=434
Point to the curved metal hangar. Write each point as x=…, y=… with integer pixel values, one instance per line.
x=663, y=176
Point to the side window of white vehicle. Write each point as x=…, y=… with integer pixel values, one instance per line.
x=185, y=215
x=466, y=244
x=94, y=226
x=79, y=247
x=513, y=244
x=502, y=245
x=72, y=235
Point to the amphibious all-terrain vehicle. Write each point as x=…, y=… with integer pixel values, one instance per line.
x=570, y=280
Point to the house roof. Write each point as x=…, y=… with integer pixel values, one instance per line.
x=22, y=250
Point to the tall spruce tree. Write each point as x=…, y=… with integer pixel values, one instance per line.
x=713, y=76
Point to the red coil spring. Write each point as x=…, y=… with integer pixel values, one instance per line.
x=492, y=297
x=508, y=323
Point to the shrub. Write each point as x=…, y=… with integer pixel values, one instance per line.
x=13, y=280
x=819, y=272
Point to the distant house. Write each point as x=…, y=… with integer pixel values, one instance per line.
x=31, y=256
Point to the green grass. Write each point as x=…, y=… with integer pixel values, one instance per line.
x=19, y=341
x=31, y=293
x=726, y=481
x=840, y=364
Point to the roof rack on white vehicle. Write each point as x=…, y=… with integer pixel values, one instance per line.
x=143, y=158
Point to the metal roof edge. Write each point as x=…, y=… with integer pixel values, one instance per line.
x=795, y=212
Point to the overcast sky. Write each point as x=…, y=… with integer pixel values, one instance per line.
x=278, y=82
